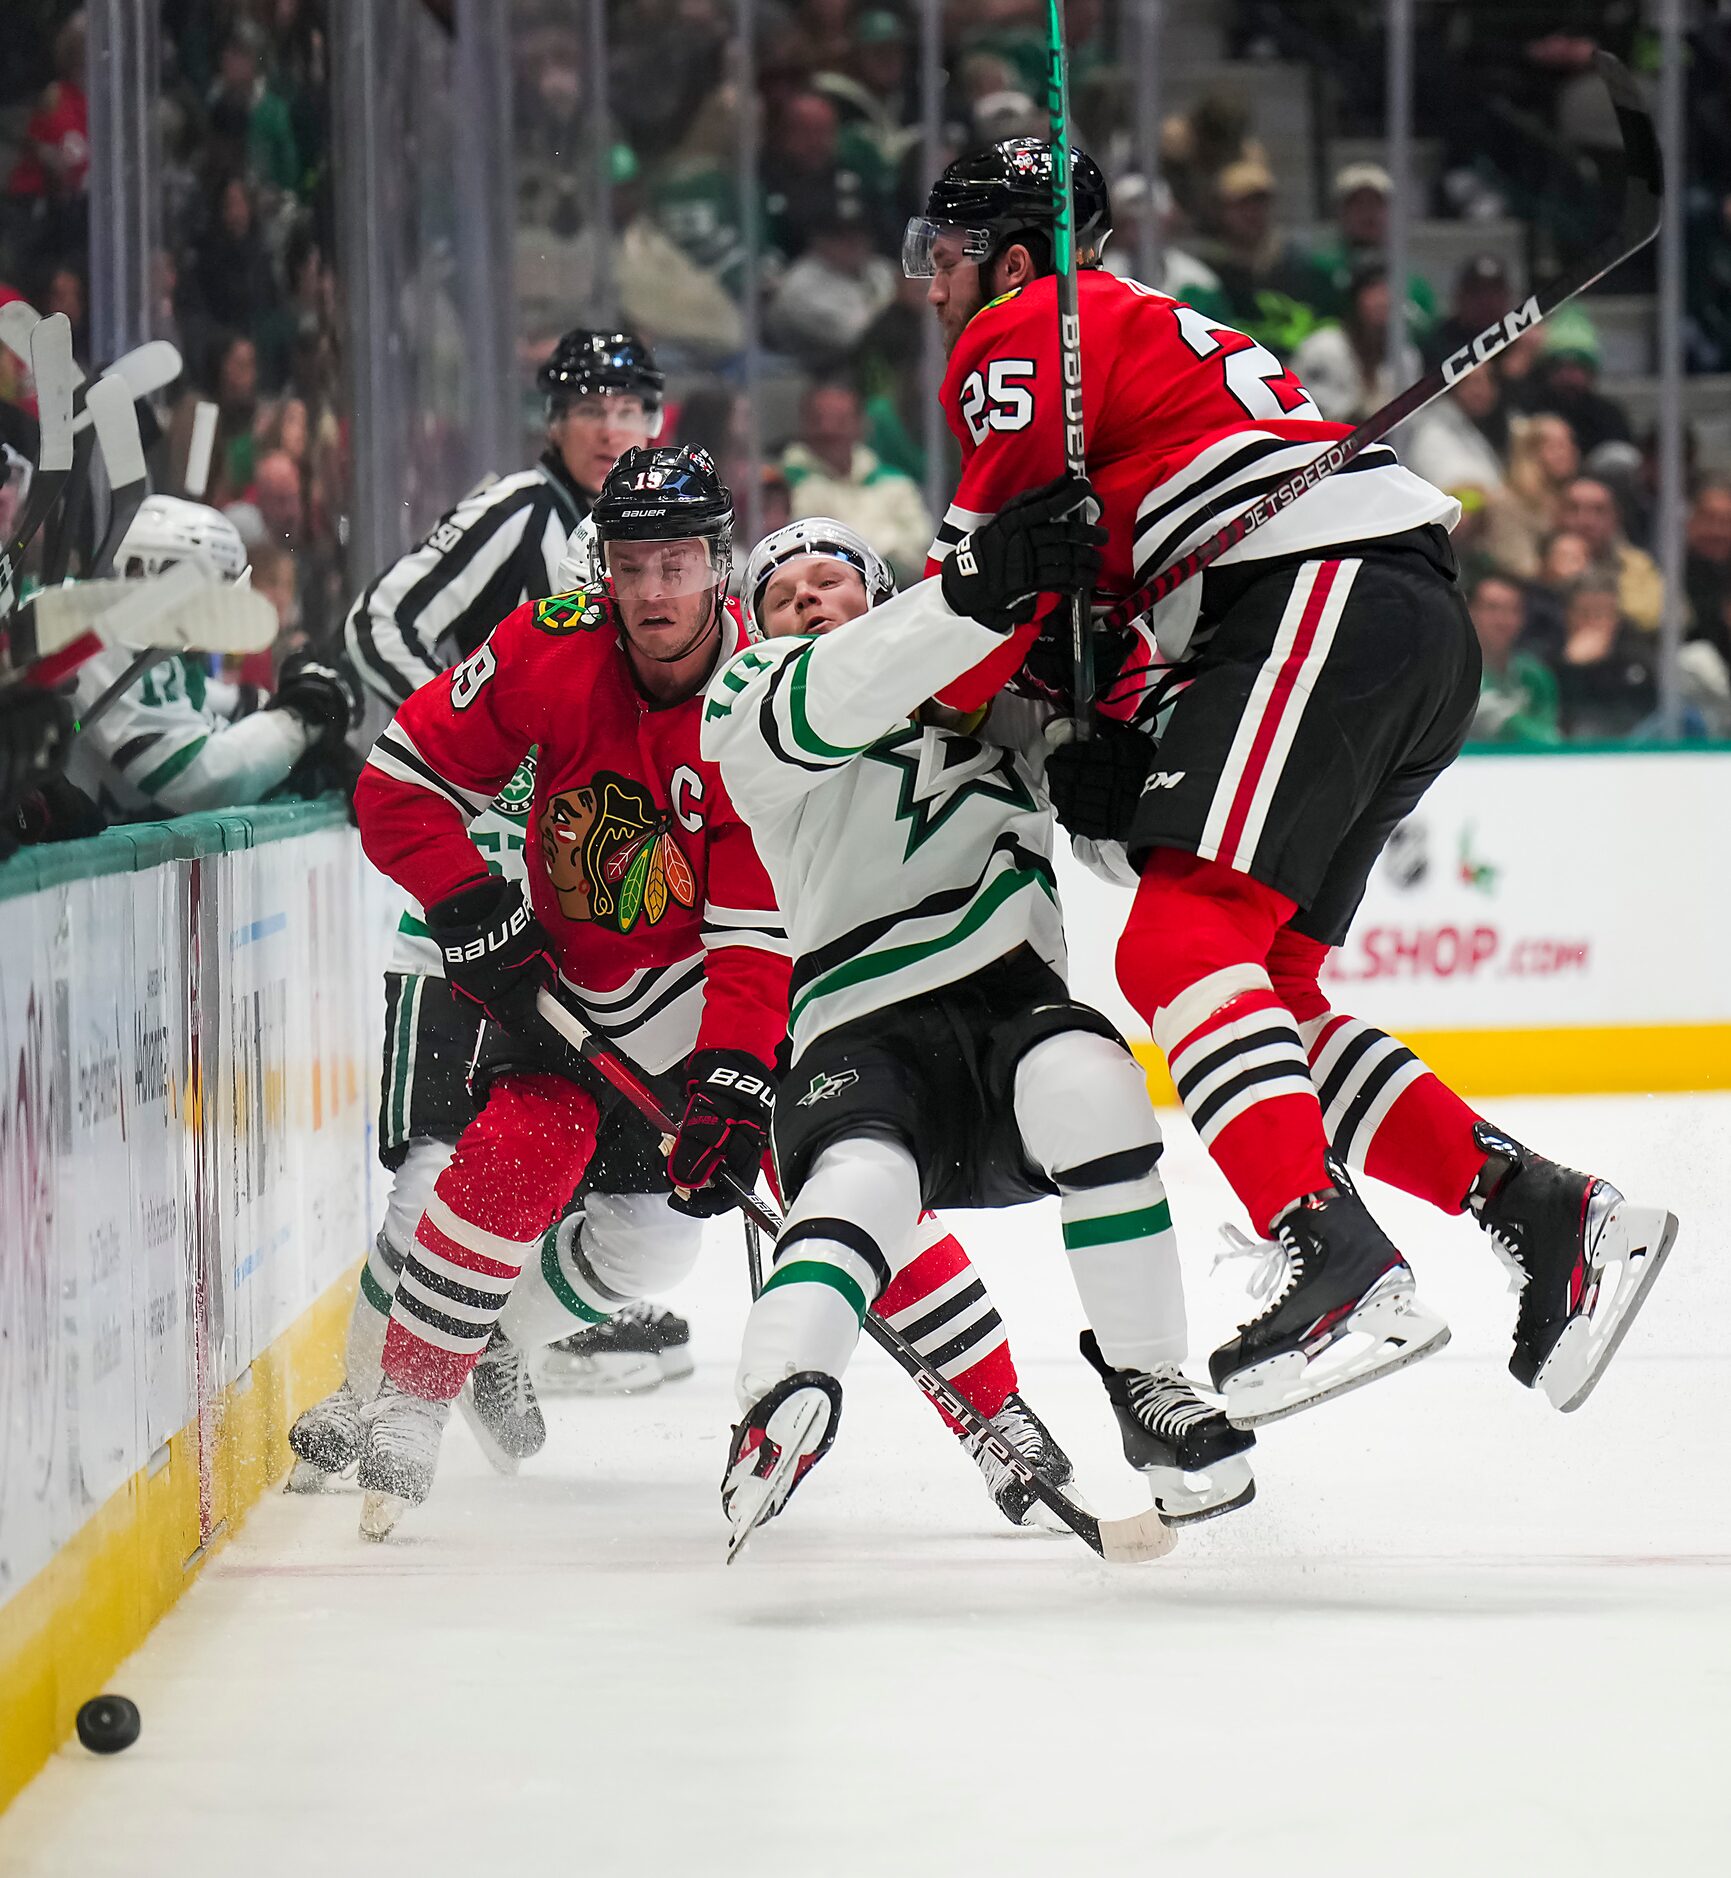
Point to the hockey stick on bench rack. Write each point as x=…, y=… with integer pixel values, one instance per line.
x=1118, y=1541
x=1637, y=224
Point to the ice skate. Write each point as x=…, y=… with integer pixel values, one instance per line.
x=399, y=1452
x=1582, y=1258
x=1032, y=1439
x=326, y=1441
x=498, y=1403
x=1342, y=1310
x=640, y=1348
x=781, y=1438
x=1192, y=1455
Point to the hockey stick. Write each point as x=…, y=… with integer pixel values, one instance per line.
x=186, y=609
x=1069, y=337
x=52, y=368
x=1119, y=1541
x=109, y=404
x=1638, y=223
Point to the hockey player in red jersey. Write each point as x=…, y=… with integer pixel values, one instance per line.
x=1308, y=689
x=648, y=901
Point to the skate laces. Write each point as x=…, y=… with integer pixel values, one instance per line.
x=1279, y=1268
x=1017, y=1425
x=1165, y=1403
x=502, y=1354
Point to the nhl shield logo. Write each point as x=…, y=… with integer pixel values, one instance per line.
x=824, y=1087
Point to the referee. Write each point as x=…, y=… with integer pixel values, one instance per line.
x=502, y=544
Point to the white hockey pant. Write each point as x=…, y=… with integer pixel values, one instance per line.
x=1084, y=1117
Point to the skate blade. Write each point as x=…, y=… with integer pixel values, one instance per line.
x=304, y=1477
x=1183, y=1499
x=767, y=1503
x=1583, y=1352
x=500, y=1459
x=1136, y=1541
x=1397, y=1331
x=592, y=1376
x=1041, y=1520
x=379, y=1515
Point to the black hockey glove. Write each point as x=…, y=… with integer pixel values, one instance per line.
x=1046, y=541
x=1050, y=667
x=729, y=1099
x=495, y=951
x=1096, y=785
x=322, y=693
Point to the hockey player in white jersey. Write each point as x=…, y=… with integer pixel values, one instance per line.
x=937, y=1057
x=175, y=742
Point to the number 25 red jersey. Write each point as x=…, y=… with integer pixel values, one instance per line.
x=1187, y=422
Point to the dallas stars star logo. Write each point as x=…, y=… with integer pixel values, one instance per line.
x=940, y=769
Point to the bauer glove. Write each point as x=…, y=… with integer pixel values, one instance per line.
x=1046, y=541
x=729, y=1099
x=495, y=951
x=1096, y=785
x=321, y=692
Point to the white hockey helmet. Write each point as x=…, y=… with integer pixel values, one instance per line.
x=169, y=529
x=823, y=535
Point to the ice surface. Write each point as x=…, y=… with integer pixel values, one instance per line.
x=1456, y=1633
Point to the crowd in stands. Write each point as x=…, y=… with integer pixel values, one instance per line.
x=242, y=280
x=1555, y=481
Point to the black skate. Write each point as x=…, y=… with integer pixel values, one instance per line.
x=1032, y=1439
x=780, y=1439
x=325, y=1440
x=1582, y=1257
x=1344, y=1311
x=500, y=1407
x=1191, y=1453
x=640, y=1347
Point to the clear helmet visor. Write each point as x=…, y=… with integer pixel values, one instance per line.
x=929, y=245
x=643, y=572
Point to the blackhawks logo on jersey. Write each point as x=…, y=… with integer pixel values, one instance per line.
x=612, y=855
x=580, y=611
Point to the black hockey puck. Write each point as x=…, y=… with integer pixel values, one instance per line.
x=108, y=1723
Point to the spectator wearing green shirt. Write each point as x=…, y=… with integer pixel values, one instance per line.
x=1517, y=692
x=1361, y=197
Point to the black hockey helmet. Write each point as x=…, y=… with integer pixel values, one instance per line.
x=1003, y=193
x=587, y=360
x=666, y=493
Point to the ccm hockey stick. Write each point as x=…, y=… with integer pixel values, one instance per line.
x=1637, y=224
x=1119, y=1541
x=1069, y=337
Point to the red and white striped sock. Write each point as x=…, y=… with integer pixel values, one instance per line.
x=1388, y=1115
x=940, y=1304
x=514, y=1168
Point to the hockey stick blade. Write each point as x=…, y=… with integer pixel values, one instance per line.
x=1637, y=224
x=144, y=371
x=1120, y=1541
x=109, y=403
x=184, y=610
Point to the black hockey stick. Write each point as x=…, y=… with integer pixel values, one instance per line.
x=1119, y=1541
x=1069, y=338
x=54, y=373
x=115, y=419
x=1638, y=223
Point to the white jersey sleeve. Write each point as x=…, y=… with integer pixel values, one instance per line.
x=784, y=713
x=157, y=751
